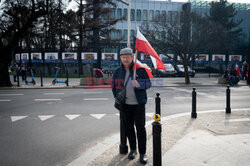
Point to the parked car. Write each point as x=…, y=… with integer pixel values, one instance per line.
x=109, y=68
x=181, y=73
x=145, y=65
x=169, y=72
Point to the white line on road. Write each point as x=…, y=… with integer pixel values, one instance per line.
x=92, y=92
x=98, y=116
x=47, y=99
x=72, y=116
x=19, y=94
x=16, y=118
x=53, y=93
x=182, y=97
x=45, y=117
x=94, y=99
x=5, y=100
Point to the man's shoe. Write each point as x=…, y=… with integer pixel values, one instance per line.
x=132, y=154
x=143, y=158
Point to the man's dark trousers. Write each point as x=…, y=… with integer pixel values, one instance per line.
x=135, y=115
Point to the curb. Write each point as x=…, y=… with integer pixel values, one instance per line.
x=92, y=153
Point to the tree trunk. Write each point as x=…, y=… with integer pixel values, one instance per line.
x=4, y=75
x=5, y=60
x=187, y=80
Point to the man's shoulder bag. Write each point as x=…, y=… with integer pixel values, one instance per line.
x=120, y=98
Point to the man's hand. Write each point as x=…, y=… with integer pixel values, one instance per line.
x=135, y=83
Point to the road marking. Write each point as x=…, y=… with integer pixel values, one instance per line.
x=150, y=115
x=182, y=97
x=16, y=118
x=5, y=100
x=92, y=92
x=98, y=116
x=95, y=99
x=238, y=120
x=53, y=93
x=190, y=91
x=19, y=94
x=45, y=117
x=47, y=99
x=72, y=116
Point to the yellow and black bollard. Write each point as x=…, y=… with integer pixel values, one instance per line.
x=156, y=125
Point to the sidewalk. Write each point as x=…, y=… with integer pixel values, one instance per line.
x=213, y=139
x=198, y=80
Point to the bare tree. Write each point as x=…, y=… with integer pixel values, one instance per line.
x=184, y=37
x=17, y=18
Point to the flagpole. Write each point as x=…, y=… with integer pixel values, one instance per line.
x=135, y=64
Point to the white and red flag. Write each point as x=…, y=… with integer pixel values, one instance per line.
x=144, y=46
x=237, y=68
x=140, y=65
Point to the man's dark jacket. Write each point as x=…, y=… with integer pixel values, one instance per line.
x=141, y=77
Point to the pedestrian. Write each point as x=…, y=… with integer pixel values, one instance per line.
x=23, y=69
x=136, y=98
x=244, y=69
x=233, y=76
x=14, y=69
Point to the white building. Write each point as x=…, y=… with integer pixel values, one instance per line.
x=143, y=11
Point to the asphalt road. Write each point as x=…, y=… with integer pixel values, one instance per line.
x=54, y=126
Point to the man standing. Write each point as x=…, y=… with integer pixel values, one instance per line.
x=136, y=98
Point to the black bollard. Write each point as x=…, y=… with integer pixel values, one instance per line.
x=67, y=81
x=193, y=114
x=18, y=82
x=228, y=109
x=156, y=127
x=123, y=138
x=158, y=104
x=41, y=75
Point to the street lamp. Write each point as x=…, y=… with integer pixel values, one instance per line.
x=128, y=4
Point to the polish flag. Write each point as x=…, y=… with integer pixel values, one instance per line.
x=237, y=68
x=144, y=46
x=140, y=65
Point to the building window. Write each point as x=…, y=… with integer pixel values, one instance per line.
x=119, y=13
x=132, y=35
x=125, y=14
x=163, y=16
x=175, y=16
x=112, y=14
x=138, y=15
x=170, y=16
x=151, y=15
x=112, y=34
x=157, y=15
x=119, y=34
x=125, y=34
x=132, y=15
x=145, y=15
